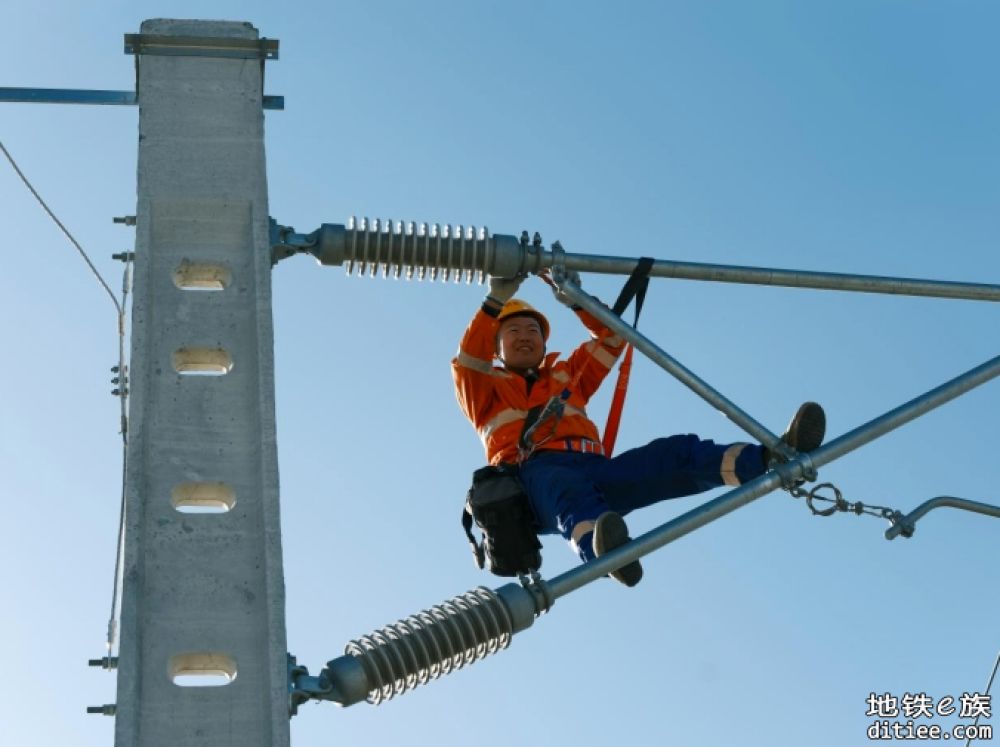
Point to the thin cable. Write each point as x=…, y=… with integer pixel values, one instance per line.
x=123, y=381
x=122, y=390
x=64, y=230
x=988, y=686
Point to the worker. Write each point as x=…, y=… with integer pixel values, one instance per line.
x=574, y=489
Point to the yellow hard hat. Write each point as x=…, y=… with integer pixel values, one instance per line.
x=517, y=307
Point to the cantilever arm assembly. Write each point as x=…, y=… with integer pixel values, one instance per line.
x=467, y=628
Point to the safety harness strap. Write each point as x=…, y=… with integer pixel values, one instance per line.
x=635, y=287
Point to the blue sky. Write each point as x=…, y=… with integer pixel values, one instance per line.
x=839, y=136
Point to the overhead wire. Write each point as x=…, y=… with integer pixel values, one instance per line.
x=989, y=685
x=58, y=222
x=122, y=370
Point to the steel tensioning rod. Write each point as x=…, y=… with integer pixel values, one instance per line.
x=468, y=628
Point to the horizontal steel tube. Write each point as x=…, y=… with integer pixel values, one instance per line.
x=784, y=278
x=671, y=365
x=943, y=501
x=741, y=496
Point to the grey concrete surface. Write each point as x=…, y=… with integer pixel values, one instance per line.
x=203, y=591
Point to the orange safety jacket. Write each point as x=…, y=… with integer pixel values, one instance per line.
x=497, y=401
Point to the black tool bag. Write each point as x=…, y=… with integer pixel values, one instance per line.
x=497, y=504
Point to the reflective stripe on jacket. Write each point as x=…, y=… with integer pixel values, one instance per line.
x=496, y=401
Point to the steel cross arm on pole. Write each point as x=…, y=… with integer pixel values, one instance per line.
x=671, y=365
x=782, y=278
x=904, y=525
x=741, y=496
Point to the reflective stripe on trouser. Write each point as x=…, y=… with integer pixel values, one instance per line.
x=567, y=488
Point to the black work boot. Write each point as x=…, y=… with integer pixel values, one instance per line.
x=610, y=532
x=804, y=433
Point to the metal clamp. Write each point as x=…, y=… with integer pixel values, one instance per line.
x=535, y=585
x=201, y=46
x=558, y=267
x=285, y=242
x=302, y=687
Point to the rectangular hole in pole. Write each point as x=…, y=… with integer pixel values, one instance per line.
x=202, y=361
x=202, y=669
x=202, y=276
x=203, y=498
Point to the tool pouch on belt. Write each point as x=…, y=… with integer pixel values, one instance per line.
x=497, y=504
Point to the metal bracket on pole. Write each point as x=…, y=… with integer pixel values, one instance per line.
x=285, y=242
x=202, y=46
x=153, y=44
x=248, y=48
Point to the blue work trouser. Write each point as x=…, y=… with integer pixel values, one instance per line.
x=566, y=488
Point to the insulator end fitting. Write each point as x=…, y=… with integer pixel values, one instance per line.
x=104, y=710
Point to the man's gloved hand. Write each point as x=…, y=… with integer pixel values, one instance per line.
x=503, y=289
x=574, y=277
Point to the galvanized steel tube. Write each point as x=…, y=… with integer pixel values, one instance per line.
x=783, y=278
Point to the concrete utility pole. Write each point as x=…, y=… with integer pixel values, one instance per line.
x=203, y=596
